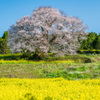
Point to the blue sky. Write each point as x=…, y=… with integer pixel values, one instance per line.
x=86, y=10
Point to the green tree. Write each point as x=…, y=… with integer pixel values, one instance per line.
x=4, y=49
x=5, y=35
x=97, y=44
x=89, y=43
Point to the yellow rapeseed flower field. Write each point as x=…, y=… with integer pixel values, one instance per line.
x=49, y=89
x=31, y=62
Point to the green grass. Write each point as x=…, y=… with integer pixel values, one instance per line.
x=10, y=56
x=80, y=67
x=51, y=70
x=77, y=58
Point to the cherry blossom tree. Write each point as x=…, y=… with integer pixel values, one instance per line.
x=47, y=30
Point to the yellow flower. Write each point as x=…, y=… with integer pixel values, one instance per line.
x=53, y=89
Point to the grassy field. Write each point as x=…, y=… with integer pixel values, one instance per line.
x=71, y=68
x=68, y=70
x=70, y=78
